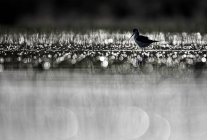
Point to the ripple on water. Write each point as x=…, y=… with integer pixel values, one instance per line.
x=111, y=123
x=159, y=128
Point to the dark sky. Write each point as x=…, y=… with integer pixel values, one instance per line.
x=15, y=11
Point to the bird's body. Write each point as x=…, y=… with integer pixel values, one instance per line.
x=142, y=41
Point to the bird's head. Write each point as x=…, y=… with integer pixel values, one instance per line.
x=135, y=32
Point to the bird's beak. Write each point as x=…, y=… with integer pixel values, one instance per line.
x=131, y=36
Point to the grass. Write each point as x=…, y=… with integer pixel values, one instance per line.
x=70, y=49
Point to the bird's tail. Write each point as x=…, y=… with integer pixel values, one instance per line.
x=155, y=41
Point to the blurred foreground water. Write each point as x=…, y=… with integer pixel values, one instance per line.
x=66, y=105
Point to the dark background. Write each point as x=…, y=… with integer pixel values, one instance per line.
x=60, y=12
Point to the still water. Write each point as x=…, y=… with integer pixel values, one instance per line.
x=65, y=105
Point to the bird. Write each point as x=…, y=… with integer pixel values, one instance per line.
x=142, y=41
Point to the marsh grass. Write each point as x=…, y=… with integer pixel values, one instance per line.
x=102, y=51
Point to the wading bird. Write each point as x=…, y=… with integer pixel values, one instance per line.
x=142, y=41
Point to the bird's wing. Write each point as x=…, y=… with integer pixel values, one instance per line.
x=144, y=39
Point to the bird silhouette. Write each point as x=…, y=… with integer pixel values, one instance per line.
x=142, y=41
